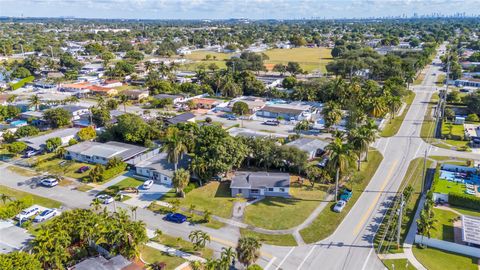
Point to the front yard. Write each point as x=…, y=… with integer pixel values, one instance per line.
x=28, y=198
x=151, y=255
x=285, y=213
x=48, y=163
x=435, y=259
x=183, y=245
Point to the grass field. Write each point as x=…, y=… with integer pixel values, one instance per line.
x=151, y=255
x=22, y=171
x=444, y=186
x=284, y=213
x=434, y=259
x=398, y=264
x=326, y=223
x=271, y=239
x=29, y=198
x=214, y=196
x=444, y=225
x=393, y=125
x=440, y=80
x=428, y=125
x=419, y=79
x=465, y=211
x=63, y=167
x=182, y=244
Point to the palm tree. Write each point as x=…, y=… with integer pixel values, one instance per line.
x=123, y=101
x=379, y=108
x=199, y=239
x=4, y=198
x=341, y=157
x=180, y=181
x=60, y=152
x=359, y=143
x=196, y=265
x=174, y=145
x=34, y=101
x=369, y=131
x=134, y=211
x=158, y=233
x=96, y=204
x=332, y=114
x=395, y=103
x=227, y=257
x=248, y=250
x=101, y=101
x=11, y=98
x=199, y=167
x=426, y=223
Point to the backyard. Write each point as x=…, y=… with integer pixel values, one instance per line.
x=454, y=136
x=434, y=259
x=271, y=213
x=443, y=226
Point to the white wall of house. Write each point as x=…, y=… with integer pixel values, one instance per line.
x=154, y=175
x=87, y=159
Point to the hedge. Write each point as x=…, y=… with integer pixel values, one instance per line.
x=464, y=200
x=22, y=82
x=112, y=172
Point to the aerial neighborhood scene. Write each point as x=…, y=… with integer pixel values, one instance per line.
x=222, y=135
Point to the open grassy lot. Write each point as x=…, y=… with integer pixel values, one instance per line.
x=444, y=225
x=22, y=171
x=151, y=255
x=213, y=196
x=413, y=178
x=271, y=239
x=398, y=264
x=428, y=125
x=444, y=186
x=435, y=259
x=62, y=167
x=310, y=59
x=29, y=198
x=183, y=245
x=284, y=213
x=326, y=223
x=393, y=125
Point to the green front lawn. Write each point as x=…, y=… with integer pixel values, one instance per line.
x=284, y=213
x=127, y=182
x=213, y=196
x=63, y=167
x=398, y=264
x=183, y=245
x=271, y=239
x=393, y=125
x=443, y=227
x=29, y=198
x=464, y=211
x=326, y=223
x=435, y=259
x=151, y=255
x=22, y=171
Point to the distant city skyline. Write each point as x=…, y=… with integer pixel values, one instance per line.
x=225, y=9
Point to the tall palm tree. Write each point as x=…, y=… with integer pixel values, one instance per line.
x=227, y=256
x=134, y=211
x=96, y=204
x=359, y=143
x=394, y=104
x=426, y=223
x=34, y=101
x=369, y=131
x=101, y=101
x=332, y=114
x=248, y=250
x=123, y=101
x=180, y=181
x=199, y=239
x=4, y=198
x=199, y=167
x=11, y=98
x=174, y=145
x=341, y=158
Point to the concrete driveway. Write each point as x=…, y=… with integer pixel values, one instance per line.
x=145, y=197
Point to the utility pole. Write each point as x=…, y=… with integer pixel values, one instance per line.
x=400, y=216
x=424, y=172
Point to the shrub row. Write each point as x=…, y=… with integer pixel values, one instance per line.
x=22, y=82
x=464, y=200
x=112, y=172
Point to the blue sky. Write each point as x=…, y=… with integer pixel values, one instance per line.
x=221, y=9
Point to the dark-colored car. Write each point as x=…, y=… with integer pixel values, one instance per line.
x=176, y=217
x=83, y=169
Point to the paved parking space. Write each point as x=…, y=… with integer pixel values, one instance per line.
x=145, y=197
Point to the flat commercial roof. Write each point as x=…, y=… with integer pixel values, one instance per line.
x=471, y=229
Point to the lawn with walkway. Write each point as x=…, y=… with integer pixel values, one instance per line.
x=435, y=259
x=276, y=213
x=62, y=167
x=128, y=182
x=182, y=245
x=213, y=196
x=326, y=223
x=271, y=239
x=398, y=264
x=152, y=255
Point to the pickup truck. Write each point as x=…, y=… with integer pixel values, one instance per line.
x=346, y=194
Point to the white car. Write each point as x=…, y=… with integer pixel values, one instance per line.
x=105, y=199
x=339, y=206
x=46, y=214
x=28, y=213
x=147, y=184
x=49, y=182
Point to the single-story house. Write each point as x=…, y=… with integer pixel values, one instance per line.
x=181, y=118
x=136, y=94
x=469, y=82
x=76, y=111
x=286, y=111
x=313, y=147
x=112, y=83
x=103, y=91
x=260, y=184
x=101, y=153
x=92, y=68
x=55, y=75
x=254, y=104
x=100, y=263
x=175, y=98
x=38, y=142
x=78, y=88
x=159, y=169
x=205, y=103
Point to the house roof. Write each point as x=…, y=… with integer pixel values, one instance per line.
x=38, y=142
x=97, y=88
x=162, y=96
x=100, y=263
x=107, y=150
x=284, y=109
x=251, y=180
x=73, y=108
x=205, y=101
x=471, y=229
x=181, y=118
x=160, y=164
x=82, y=85
x=308, y=144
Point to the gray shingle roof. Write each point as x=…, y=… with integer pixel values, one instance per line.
x=38, y=142
x=308, y=144
x=160, y=164
x=260, y=180
x=100, y=263
x=182, y=118
x=107, y=150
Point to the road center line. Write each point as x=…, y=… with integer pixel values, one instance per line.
x=286, y=256
x=306, y=257
x=370, y=209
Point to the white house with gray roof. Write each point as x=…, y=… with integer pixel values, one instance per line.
x=260, y=184
x=313, y=147
x=38, y=142
x=101, y=153
x=159, y=169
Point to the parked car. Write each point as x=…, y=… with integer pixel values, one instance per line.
x=28, y=213
x=104, y=198
x=147, y=184
x=272, y=123
x=46, y=214
x=83, y=169
x=30, y=154
x=323, y=162
x=231, y=117
x=49, y=182
x=346, y=194
x=176, y=217
x=339, y=206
